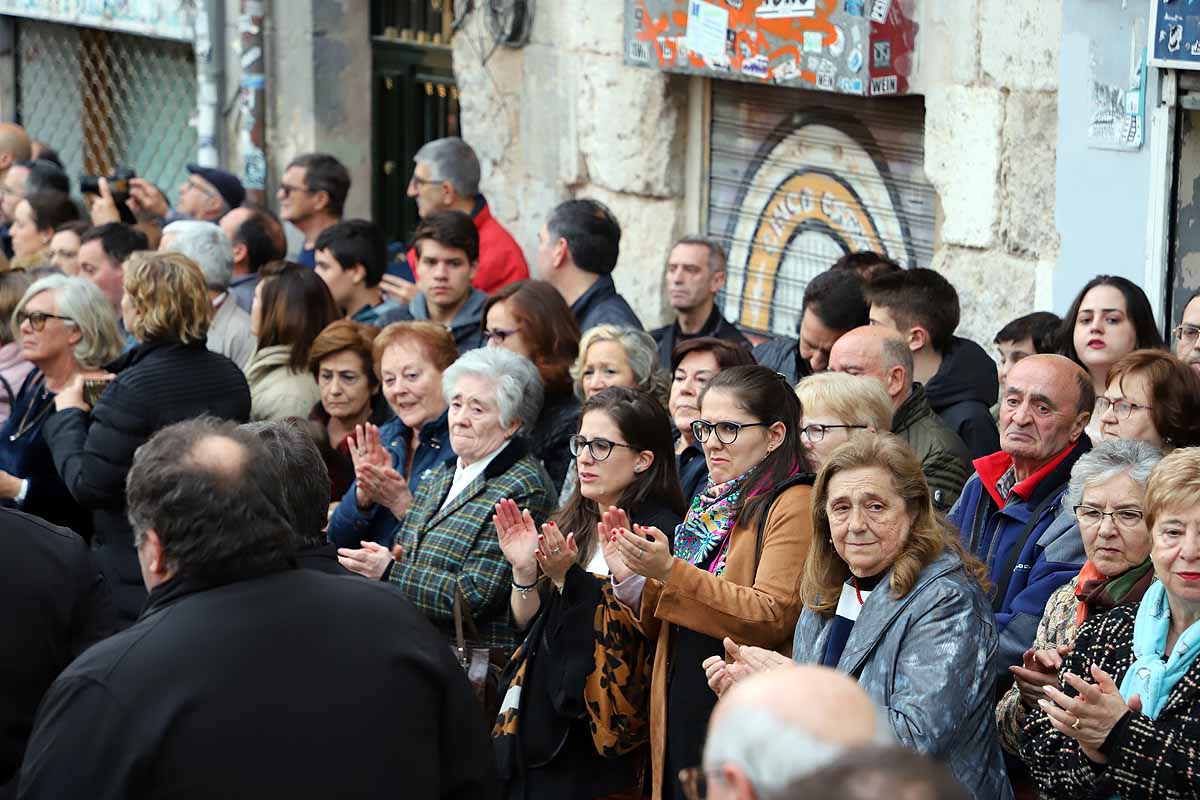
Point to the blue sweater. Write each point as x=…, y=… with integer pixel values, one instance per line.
x=348, y=526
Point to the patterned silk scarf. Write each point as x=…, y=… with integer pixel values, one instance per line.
x=708, y=522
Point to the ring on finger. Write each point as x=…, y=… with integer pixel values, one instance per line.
x=1075, y=724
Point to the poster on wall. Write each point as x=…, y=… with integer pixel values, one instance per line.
x=1118, y=112
x=1175, y=34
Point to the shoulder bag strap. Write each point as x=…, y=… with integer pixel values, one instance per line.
x=1005, y=576
x=803, y=479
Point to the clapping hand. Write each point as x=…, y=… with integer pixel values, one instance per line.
x=555, y=553
x=609, y=522
x=366, y=447
x=1091, y=715
x=645, y=550
x=1039, y=669
x=518, y=537
x=398, y=289
x=739, y=662
x=371, y=560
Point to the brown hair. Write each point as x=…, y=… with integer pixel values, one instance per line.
x=1174, y=393
x=339, y=337
x=1173, y=483
x=13, y=286
x=929, y=536
x=170, y=294
x=547, y=324
x=435, y=339
x=727, y=354
x=296, y=306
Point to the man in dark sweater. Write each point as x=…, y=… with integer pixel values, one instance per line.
x=221, y=689
x=695, y=273
x=577, y=252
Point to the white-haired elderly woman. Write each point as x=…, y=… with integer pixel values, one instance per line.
x=206, y=244
x=66, y=327
x=1106, y=502
x=447, y=543
x=613, y=356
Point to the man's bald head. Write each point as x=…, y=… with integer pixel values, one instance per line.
x=15, y=145
x=876, y=352
x=1048, y=400
x=775, y=726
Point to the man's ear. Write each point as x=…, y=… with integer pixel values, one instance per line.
x=152, y=546
x=896, y=381
x=918, y=338
x=358, y=274
x=716, y=281
x=321, y=199
x=561, y=252
x=240, y=252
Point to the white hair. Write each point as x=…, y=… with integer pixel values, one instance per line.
x=87, y=309
x=1106, y=461
x=518, y=385
x=452, y=160
x=773, y=752
x=207, y=245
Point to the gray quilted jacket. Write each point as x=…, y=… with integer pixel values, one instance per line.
x=926, y=659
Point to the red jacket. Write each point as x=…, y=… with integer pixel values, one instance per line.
x=501, y=261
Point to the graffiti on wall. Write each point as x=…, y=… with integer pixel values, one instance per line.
x=819, y=188
x=861, y=47
x=166, y=19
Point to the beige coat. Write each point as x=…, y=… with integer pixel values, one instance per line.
x=759, y=610
x=275, y=391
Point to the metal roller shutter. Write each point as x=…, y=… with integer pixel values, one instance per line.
x=798, y=178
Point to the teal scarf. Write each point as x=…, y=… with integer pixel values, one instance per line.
x=1150, y=676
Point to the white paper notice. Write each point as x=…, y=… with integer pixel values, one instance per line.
x=706, y=27
x=785, y=9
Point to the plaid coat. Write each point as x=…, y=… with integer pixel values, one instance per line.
x=458, y=544
x=1147, y=758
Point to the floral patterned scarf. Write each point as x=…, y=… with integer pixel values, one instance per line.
x=706, y=527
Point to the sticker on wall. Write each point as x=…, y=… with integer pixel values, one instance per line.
x=826, y=73
x=881, y=54
x=879, y=10
x=786, y=70
x=786, y=9
x=706, y=28
x=813, y=41
x=755, y=67
x=849, y=86
x=854, y=8
x=838, y=45
x=883, y=85
x=855, y=61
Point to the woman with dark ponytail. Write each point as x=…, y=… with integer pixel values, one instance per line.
x=732, y=568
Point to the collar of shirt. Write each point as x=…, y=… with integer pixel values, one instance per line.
x=463, y=475
x=219, y=299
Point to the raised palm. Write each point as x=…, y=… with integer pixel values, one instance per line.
x=517, y=533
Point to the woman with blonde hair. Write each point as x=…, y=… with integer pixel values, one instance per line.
x=891, y=598
x=168, y=377
x=836, y=406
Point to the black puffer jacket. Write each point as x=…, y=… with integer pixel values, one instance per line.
x=158, y=383
x=557, y=423
x=962, y=393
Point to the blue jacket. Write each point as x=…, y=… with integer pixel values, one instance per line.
x=348, y=526
x=601, y=305
x=1051, y=548
x=927, y=660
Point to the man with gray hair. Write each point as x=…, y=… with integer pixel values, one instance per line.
x=879, y=353
x=777, y=726
x=207, y=245
x=695, y=274
x=446, y=178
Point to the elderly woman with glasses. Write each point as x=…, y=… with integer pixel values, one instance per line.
x=446, y=544
x=1106, y=495
x=1122, y=721
x=836, y=406
x=1151, y=396
x=891, y=598
x=66, y=328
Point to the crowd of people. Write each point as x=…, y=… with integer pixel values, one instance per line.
x=545, y=553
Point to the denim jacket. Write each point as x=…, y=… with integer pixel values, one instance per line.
x=348, y=526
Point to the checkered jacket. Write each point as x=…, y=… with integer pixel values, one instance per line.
x=458, y=544
x=1147, y=758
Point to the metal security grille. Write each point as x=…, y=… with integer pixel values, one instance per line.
x=106, y=100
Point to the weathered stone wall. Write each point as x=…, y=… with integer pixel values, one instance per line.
x=563, y=117
x=989, y=73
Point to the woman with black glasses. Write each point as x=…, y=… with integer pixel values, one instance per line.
x=65, y=327
x=732, y=568
x=583, y=706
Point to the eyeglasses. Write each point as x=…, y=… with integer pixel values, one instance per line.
x=600, y=449
x=727, y=432
x=37, y=319
x=1186, y=333
x=695, y=782
x=286, y=190
x=1122, y=408
x=815, y=433
x=498, y=335
x=1090, y=517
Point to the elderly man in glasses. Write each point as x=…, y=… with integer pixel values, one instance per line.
x=1186, y=334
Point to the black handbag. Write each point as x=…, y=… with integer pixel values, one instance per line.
x=481, y=664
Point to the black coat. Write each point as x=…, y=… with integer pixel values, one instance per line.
x=601, y=305
x=670, y=336
x=158, y=383
x=963, y=391
x=55, y=604
x=557, y=423
x=227, y=691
